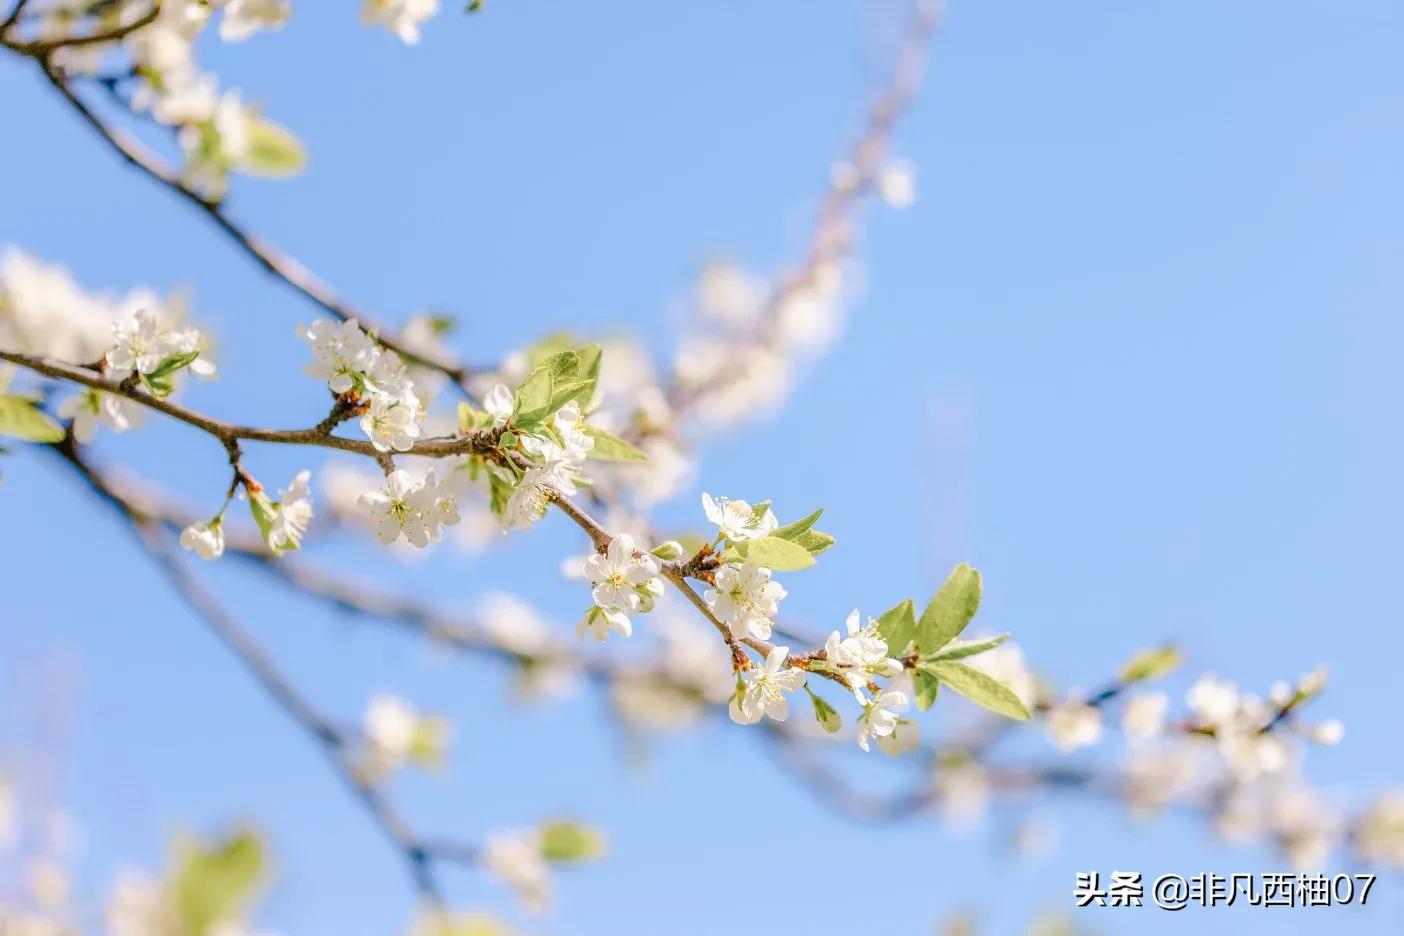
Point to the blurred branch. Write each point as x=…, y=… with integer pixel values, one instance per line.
x=271, y=259
x=337, y=747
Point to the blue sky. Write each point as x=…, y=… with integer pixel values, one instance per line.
x=1134, y=353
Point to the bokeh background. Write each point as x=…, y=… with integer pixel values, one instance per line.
x=1134, y=353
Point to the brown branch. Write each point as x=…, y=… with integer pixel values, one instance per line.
x=280, y=265
x=334, y=744
x=42, y=48
x=225, y=432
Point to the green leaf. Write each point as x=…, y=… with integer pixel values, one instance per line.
x=775, y=554
x=978, y=687
x=926, y=686
x=534, y=397
x=564, y=391
x=567, y=842
x=960, y=649
x=793, y=531
x=215, y=884
x=898, y=627
x=1151, y=664
x=562, y=364
x=611, y=448
x=590, y=357
x=172, y=364
x=273, y=152
x=21, y=418
x=951, y=610
x=814, y=541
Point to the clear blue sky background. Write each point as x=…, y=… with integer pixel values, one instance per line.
x=1135, y=353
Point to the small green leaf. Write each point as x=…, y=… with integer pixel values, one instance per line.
x=563, y=364
x=814, y=541
x=793, y=531
x=978, y=687
x=951, y=610
x=1151, y=664
x=926, y=686
x=214, y=884
x=564, y=391
x=960, y=649
x=775, y=554
x=172, y=364
x=590, y=357
x=609, y=447
x=898, y=627
x=21, y=418
x=273, y=151
x=534, y=397
x=566, y=842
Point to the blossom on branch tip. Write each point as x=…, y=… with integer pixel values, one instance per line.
x=205, y=539
x=737, y=520
x=516, y=858
x=878, y=719
x=745, y=599
x=283, y=522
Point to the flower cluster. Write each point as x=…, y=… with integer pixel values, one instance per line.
x=860, y=656
x=557, y=460
x=138, y=335
x=414, y=509
x=623, y=581
x=356, y=366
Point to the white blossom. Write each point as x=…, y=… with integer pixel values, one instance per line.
x=765, y=688
x=737, y=520
x=618, y=576
x=414, y=508
x=291, y=514
x=860, y=655
x=1144, y=717
x=499, y=403
x=1214, y=701
x=390, y=424
x=401, y=17
x=745, y=599
x=1073, y=724
x=878, y=719
x=896, y=184
x=139, y=345
x=92, y=408
x=1379, y=833
x=1328, y=733
x=516, y=858
x=342, y=353
x=243, y=18
x=599, y=623
x=396, y=733
x=206, y=539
